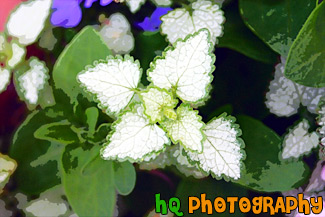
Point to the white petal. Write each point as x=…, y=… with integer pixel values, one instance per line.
x=298, y=141
x=117, y=34
x=285, y=96
x=186, y=129
x=134, y=138
x=316, y=183
x=187, y=68
x=112, y=82
x=28, y=20
x=222, y=153
x=18, y=52
x=179, y=23
x=33, y=81
x=155, y=100
x=135, y=5
x=4, y=79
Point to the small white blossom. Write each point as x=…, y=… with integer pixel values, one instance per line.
x=117, y=34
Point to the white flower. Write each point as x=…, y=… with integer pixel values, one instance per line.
x=117, y=34
x=162, y=2
x=179, y=22
x=135, y=5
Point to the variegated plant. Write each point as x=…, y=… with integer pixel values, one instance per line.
x=149, y=119
x=31, y=76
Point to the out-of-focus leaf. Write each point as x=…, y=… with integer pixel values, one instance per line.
x=278, y=22
x=306, y=60
x=264, y=170
x=239, y=38
x=88, y=181
x=124, y=177
x=38, y=163
x=59, y=132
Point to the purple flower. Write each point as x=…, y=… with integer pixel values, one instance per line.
x=89, y=3
x=152, y=23
x=67, y=13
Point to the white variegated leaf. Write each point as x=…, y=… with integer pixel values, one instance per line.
x=186, y=129
x=135, y=5
x=183, y=165
x=28, y=20
x=285, y=96
x=179, y=22
x=18, y=52
x=4, y=78
x=112, y=82
x=299, y=141
x=31, y=82
x=162, y=2
x=157, y=161
x=7, y=167
x=134, y=138
x=316, y=183
x=222, y=150
x=155, y=101
x=186, y=69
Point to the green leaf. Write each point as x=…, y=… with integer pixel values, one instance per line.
x=59, y=132
x=239, y=38
x=189, y=188
x=264, y=170
x=306, y=60
x=88, y=181
x=86, y=47
x=37, y=160
x=278, y=22
x=92, y=116
x=124, y=177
